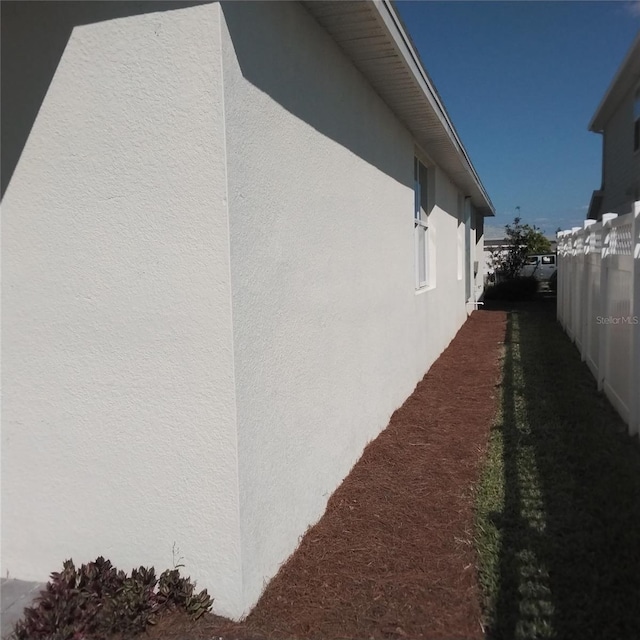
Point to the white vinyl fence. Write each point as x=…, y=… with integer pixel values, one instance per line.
x=599, y=304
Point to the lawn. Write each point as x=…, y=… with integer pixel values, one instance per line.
x=558, y=507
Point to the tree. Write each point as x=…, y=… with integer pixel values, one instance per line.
x=524, y=240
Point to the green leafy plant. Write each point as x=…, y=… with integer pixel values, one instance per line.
x=523, y=240
x=96, y=600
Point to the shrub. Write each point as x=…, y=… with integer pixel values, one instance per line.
x=97, y=600
x=523, y=240
x=514, y=289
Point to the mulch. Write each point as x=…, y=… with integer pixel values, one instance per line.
x=392, y=557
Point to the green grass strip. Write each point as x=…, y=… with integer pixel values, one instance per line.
x=558, y=507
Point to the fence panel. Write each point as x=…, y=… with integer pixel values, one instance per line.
x=618, y=256
x=599, y=304
x=578, y=311
x=565, y=247
x=592, y=283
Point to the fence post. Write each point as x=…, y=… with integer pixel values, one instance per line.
x=585, y=298
x=560, y=278
x=634, y=396
x=569, y=293
x=575, y=292
x=562, y=274
x=603, y=350
x=568, y=263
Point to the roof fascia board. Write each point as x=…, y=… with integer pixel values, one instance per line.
x=409, y=55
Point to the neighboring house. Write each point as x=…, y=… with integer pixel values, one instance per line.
x=235, y=237
x=618, y=120
x=503, y=244
x=599, y=264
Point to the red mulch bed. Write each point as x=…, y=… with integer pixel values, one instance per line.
x=392, y=557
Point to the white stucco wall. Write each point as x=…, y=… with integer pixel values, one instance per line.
x=118, y=414
x=209, y=302
x=330, y=334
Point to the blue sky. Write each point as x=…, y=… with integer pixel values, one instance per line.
x=521, y=81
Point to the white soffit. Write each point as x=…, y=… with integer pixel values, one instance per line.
x=371, y=34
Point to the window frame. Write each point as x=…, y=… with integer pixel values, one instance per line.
x=421, y=224
x=460, y=237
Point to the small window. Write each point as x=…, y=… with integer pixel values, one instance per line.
x=533, y=260
x=460, y=236
x=421, y=224
x=548, y=259
x=636, y=120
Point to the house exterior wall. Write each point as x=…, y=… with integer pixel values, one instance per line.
x=118, y=414
x=208, y=288
x=621, y=166
x=330, y=334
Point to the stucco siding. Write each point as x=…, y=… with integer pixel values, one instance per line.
x=621, y=166
x=330, y=335
x=118, y=414
x=209, y=284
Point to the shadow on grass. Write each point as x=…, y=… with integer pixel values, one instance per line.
x=569, y=529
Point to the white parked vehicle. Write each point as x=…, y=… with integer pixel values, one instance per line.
x=541, y=267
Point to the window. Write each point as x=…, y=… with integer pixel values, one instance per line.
x=460, y=238
x=467, y=249
x=421, y=224
x=636, y=120
x=548, y=259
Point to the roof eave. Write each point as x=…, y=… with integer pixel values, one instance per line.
x=628, y=73
x=414, y=99
x=403, y=40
